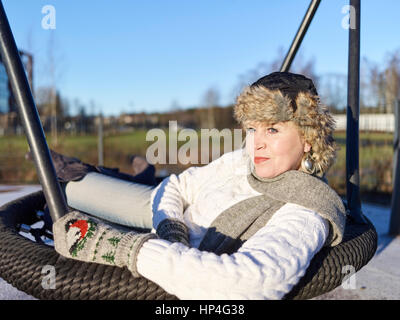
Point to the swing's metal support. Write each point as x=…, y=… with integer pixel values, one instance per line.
x=353, y=105
x=30, y=120
x=312, y=8
x=394, y=226
x=353, y=114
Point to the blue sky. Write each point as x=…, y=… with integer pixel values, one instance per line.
x=133, y=56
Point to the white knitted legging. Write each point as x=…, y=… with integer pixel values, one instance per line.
x=111, y=199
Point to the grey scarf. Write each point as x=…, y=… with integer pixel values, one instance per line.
x=238, y=223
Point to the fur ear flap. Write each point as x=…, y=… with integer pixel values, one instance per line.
x=306, y=104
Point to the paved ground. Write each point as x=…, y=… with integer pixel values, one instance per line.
x=379, y=280
x=8, y=193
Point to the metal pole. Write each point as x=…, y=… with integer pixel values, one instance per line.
x=30, y=120
x=312, y=8
x=100, y=142
x=394, y=228
x=353, y=113
x=396, y=137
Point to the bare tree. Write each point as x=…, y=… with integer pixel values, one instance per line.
x=211, y=100
x=305, y=67
x=44, y=101
x=52, y=78
x=261, y=69
x=300, y=65
x=375, y=80
x=93, y=107
x=333, y=91
x=365, y=86
x=30, y=49
x=384, y=83
x=54, y=74
x=372, y=82
x=392, y=80
x=175, y=106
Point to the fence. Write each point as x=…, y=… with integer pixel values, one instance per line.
x=369, y=122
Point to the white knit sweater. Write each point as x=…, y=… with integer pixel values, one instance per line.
x=267, y=266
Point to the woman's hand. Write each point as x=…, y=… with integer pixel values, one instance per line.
x=173, y=230
x=81, y=237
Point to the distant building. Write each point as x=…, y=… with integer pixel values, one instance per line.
x=9, y=122
x=4, y=92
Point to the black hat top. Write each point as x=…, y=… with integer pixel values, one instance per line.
x=288, y=83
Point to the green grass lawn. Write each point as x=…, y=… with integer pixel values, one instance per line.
x=375, y=159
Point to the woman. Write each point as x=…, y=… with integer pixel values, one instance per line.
x=245, y=226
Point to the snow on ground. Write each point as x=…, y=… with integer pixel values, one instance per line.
x=7, y=194
x=379, y=279
x=11, y=192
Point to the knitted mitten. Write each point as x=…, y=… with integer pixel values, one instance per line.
x=88, y=239
x=173, y=230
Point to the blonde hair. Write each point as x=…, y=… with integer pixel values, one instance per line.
x=315, y=123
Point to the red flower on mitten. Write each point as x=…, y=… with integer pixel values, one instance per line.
x=82, y=225
x=77, y=233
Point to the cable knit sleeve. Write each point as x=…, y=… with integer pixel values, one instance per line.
x=172, y=196
x=267, y=266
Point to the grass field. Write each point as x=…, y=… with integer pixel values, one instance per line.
x=376, y=153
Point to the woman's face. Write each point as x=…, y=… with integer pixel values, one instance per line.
x=275, y=148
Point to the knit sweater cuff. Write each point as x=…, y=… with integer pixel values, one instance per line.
x=129, y=248
x=173, y=230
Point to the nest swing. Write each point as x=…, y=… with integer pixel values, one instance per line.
x=22, y=260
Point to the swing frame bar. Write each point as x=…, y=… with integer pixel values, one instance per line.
x=353, y=100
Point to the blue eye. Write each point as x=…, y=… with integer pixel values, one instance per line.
x=250, y=130
x=272, y=130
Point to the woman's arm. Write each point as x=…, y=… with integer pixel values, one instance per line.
x=170, y=200
x=267, y=266
x=171, y=197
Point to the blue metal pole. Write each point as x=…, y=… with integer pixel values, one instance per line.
x=394, y=228
x=312, y=8
x=353, y=114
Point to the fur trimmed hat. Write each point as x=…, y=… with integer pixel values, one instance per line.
x=285, y=96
